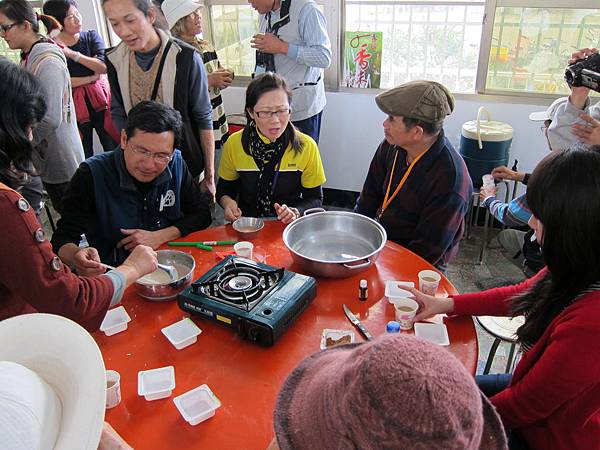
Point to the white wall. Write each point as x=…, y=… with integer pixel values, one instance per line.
x=352, y=129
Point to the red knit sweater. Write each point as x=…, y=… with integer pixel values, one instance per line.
x=553, y=400
x=28, y=281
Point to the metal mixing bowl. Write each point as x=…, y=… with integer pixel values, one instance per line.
x=160, y=292
x=335, y=244
x=247, y=228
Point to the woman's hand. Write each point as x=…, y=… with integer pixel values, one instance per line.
x=230, y=209
x=504, y=173
x=589, y=133
x=285, y=213
x=220, y=79
x=140, y=262
x=429, y=305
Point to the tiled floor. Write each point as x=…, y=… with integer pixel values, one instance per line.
x=469, y=276
x=466, y=275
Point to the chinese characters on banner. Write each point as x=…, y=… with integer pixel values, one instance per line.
x=363, y=59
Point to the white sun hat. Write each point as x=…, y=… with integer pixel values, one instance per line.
x=548, y=114
x=52, y=384
x=178, y=9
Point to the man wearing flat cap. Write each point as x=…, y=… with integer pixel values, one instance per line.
x=418, y=186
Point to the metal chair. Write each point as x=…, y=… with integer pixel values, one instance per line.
x=503, y=329
x=488, y=220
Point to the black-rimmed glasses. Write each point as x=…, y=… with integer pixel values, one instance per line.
x=281, y=114
x=161, y=158
x=4, y=28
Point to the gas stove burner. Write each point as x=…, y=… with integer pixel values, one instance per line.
x=241, y=283
x=257, y=301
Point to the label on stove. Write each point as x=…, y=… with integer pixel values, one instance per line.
x=227, y=320
x=199, y=309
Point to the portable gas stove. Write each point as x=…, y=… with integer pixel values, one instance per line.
x=259, y=301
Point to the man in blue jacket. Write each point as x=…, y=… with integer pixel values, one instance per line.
x=140, y=193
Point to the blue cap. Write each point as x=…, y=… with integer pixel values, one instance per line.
x=392, y=327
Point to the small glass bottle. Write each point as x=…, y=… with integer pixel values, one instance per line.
x=392, y=327
x=363, y=290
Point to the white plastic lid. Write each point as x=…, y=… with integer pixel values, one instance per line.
x=491, y=131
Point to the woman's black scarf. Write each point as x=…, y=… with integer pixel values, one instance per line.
x=267, y=158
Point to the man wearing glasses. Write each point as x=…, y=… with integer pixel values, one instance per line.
x=140, y=193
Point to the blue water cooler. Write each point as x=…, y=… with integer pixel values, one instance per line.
x=484, y=145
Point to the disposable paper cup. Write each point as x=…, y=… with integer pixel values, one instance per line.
x=113, y=388
x=406, y=309
x=429, y=280
x=244, y=249
x=488, y=180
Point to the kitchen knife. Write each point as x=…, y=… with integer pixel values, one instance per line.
x=352, y=318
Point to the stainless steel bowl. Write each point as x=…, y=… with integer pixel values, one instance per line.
x=247, y=228
x=159, y=292
x=335, y=244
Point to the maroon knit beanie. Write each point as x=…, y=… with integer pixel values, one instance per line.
x=396, y=392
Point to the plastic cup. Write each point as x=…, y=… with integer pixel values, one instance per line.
x=197, y=405
x=488, y=180
x=113, y=388
x=406, y=309
x=115, y=321
x=429, y=281
x=156, y=384
x=244, y=249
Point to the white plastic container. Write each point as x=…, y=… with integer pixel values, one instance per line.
x=432, y=332
x=182, y=333
x=336, y=335
x=197, y=405
x=115, y=321
x=394, y=291
x=156, y=383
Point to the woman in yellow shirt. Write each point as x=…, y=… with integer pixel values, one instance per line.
x=269, y=168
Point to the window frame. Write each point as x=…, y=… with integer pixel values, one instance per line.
x=486, y=41
x=335, y=12
x=331, y=9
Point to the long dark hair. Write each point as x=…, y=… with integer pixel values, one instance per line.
x=58, y=9
x=563, y=195
x=20, y=11
x=262, y=84
x=23, y=106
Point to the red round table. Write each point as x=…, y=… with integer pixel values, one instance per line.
x=245, y=377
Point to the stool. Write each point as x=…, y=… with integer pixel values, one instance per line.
x=502, y=329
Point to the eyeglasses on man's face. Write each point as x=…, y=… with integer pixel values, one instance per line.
x=281, y=114
x=160, y=158
x=4, y=28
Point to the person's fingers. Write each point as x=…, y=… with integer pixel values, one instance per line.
x=589, y=119
x=125, y=241
x=93, y=254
